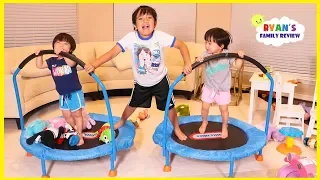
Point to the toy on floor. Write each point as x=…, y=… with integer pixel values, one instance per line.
x=104, y=134
x=311, y=142
x=142, y=115
x=47, y=137
x=289, y=147
x=183, y=110
x=36, y=127
x=274, y=134
x=299, y=167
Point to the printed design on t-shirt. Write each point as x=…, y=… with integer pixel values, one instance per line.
x=147, y=59
x=212, y=70
x=61, y=70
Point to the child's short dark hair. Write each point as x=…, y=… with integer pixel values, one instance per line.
x=219, y=36
x=67, y=38
x=142, y=10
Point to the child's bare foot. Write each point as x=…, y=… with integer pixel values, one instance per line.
x=203, y=127
x=224, y=133
x=119, y=124
x=180, y=134
x=81, y=141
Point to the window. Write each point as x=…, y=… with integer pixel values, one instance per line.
x=298, y=58
x=37, y=24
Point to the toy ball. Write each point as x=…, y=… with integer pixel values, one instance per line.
x=74, y=140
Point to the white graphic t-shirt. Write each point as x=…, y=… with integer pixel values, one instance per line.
x=147, y=55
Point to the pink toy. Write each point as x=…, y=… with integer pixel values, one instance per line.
x=61, y=122
x=298, y=167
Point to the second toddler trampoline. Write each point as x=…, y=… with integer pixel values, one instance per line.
x=244, y=139
x=121, y=139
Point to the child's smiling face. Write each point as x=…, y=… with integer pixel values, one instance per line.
x=145, y=24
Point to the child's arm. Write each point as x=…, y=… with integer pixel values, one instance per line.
x=238, y=62
x=39, y=60
x=103, y=59
x=70, y=62
x=185, y=55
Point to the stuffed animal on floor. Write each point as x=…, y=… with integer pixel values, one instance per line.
x=274, y=134
x=35, y=127
x=47, y=137
x=183, y=110
x=142, y=115
x=311, y=142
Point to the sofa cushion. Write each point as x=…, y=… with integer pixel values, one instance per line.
x=16, y=55
x=36, y=86
x=112, y=73
x=174, y=72
x=84, y=77
x=123, y=61
x=102, y=48
x=85, y=52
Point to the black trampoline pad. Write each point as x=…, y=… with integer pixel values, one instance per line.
x=88, y=143
x=236, y=137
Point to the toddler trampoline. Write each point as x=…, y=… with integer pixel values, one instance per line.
x=244, y=139
x=121, y=139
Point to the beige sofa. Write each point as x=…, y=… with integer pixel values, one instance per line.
x=36, y=86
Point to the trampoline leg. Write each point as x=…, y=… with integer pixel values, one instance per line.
x=231, y=168
x=43, y=168
x=112, y=172
x=259, y=156
x=167, y=167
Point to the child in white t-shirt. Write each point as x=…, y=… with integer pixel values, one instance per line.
x=149, y=70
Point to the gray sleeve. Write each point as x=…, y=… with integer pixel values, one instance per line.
x=231, y=60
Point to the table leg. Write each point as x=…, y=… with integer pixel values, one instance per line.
x=252, y=104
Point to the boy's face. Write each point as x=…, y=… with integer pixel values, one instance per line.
x=145, y=24
x=63, y=46
x=212, y=47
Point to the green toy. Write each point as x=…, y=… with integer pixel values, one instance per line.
x=106, y=136
x=183, y=110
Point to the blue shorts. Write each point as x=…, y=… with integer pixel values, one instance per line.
x=73, y=101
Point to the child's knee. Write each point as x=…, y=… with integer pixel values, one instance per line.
x=76, y=114
x=224, y=109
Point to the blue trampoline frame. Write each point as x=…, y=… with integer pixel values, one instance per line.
x=181, y=150
x=127, y=132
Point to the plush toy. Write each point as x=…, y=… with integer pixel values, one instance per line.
x=72, y=137
x=104, y=134
x=142, y=115
x=274, y=134
x=183, y=110
x=311, y=142
x=35, y=127
x=47, y=137
x=61, y=122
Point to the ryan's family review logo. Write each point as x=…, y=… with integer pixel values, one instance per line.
x=277, y=31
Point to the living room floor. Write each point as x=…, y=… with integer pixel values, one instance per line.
x=145, y=158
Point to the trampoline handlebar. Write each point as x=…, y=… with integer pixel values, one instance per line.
x=43, y=52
